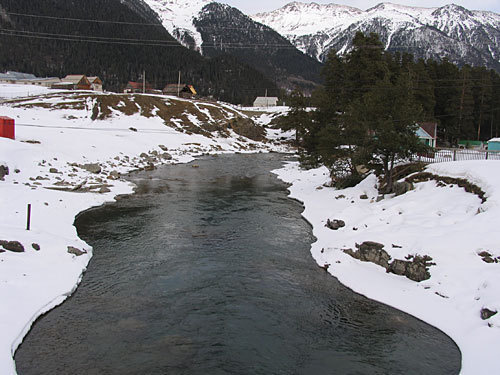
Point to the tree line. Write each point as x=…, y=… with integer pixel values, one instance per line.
x=366, y=113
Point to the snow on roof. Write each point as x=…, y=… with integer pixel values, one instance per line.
x=494, y=140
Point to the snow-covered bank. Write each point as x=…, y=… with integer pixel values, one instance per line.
x=69, y=152
x=444, y=222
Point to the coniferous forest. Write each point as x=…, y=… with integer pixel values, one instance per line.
x=117, y=44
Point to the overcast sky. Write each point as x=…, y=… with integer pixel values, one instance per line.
x=255, y=6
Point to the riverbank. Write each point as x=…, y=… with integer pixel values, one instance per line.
x=442, y=221
x=70, y=152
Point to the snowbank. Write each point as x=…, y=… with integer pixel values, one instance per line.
x=63, y=162
x=444, y=222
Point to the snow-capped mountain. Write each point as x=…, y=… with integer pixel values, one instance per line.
x=451, y=31
x=216, y=29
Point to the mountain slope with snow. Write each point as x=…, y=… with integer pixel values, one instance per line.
x=464, y=36
x=216, y=29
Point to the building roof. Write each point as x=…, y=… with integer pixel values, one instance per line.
x=16, y=75
x=430, y=128
x=494, y=140
x=74, y=78
x=139, y=85
x=174, y=88
x=95, y=80
x=421, y=133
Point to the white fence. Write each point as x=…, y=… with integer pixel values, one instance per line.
x=439, y=155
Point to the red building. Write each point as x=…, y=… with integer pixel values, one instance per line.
x=7, y=127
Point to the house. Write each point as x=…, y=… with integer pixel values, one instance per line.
x=27, y=79
x=494, y=144
x=138, y=88
x=95, y=83
x=182, y=90
x=265, y=101
x=427, y=132
x=79, y=81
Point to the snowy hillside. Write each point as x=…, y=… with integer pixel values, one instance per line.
x=177, y=17
x=464, y=36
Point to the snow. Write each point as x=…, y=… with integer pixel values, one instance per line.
x=446, y=223
x=178, y=15
x=50, y=146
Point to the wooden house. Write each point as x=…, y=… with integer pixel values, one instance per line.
x=138, y=88
x=427, y=132
x=79, y=81
x=265, y=101
x=182, y=90
x=95, y=83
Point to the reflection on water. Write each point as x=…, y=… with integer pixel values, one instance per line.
x=207, y=271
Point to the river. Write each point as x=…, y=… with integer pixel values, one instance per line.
x=207, y=270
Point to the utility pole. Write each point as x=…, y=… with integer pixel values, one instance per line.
x=143, y=81
x=179, y=85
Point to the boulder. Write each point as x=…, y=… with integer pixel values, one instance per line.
x=53, y=170
x=92, y=167
x=76, y=251
x=4, y=171
x=400, y=188
x=166, y=156
x=14, y=246
x=35, y=246
x=416, y=269
x=334, y=224
x=487, y=313
x=363, y=196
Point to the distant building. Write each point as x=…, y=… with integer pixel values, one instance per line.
x=79, y=81
x=472, y=144
x=95, y=83
x=27, y=79
x=138, y=88
x=265, y=101
x=427, y=132
x=494, y=144
x=182, y=90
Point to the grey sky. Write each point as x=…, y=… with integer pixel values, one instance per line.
x=255, y=6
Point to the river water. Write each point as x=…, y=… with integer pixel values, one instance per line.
x=207, y=270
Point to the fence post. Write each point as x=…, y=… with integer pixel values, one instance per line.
x=454, y=155
x=28, y=222
x=486, y=155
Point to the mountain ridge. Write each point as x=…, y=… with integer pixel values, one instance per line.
x=462, y=35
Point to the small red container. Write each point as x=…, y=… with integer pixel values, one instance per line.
x=7, y=127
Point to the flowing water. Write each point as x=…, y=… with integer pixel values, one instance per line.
x=207, y=270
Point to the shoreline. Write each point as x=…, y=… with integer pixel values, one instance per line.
x=439, y=301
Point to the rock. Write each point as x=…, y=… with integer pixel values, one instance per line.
x=104, y=190
x=144, y=155
x=334, y=224
x=341, y=196
x=92, y=167
x=363, y=196
x=53, y=170
x=163, y=148
x=14, y=246
x=487, y=313
x=114, y=175
x=373, y=252
x=132, y=129
x=4, y=171
x=35, y=246
x=75, y=251
x=17, y=170
x=416, y=269
x=149, y=167
x=399, y=188
x=166, y=156
x=380, y=198
x=488, y=259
